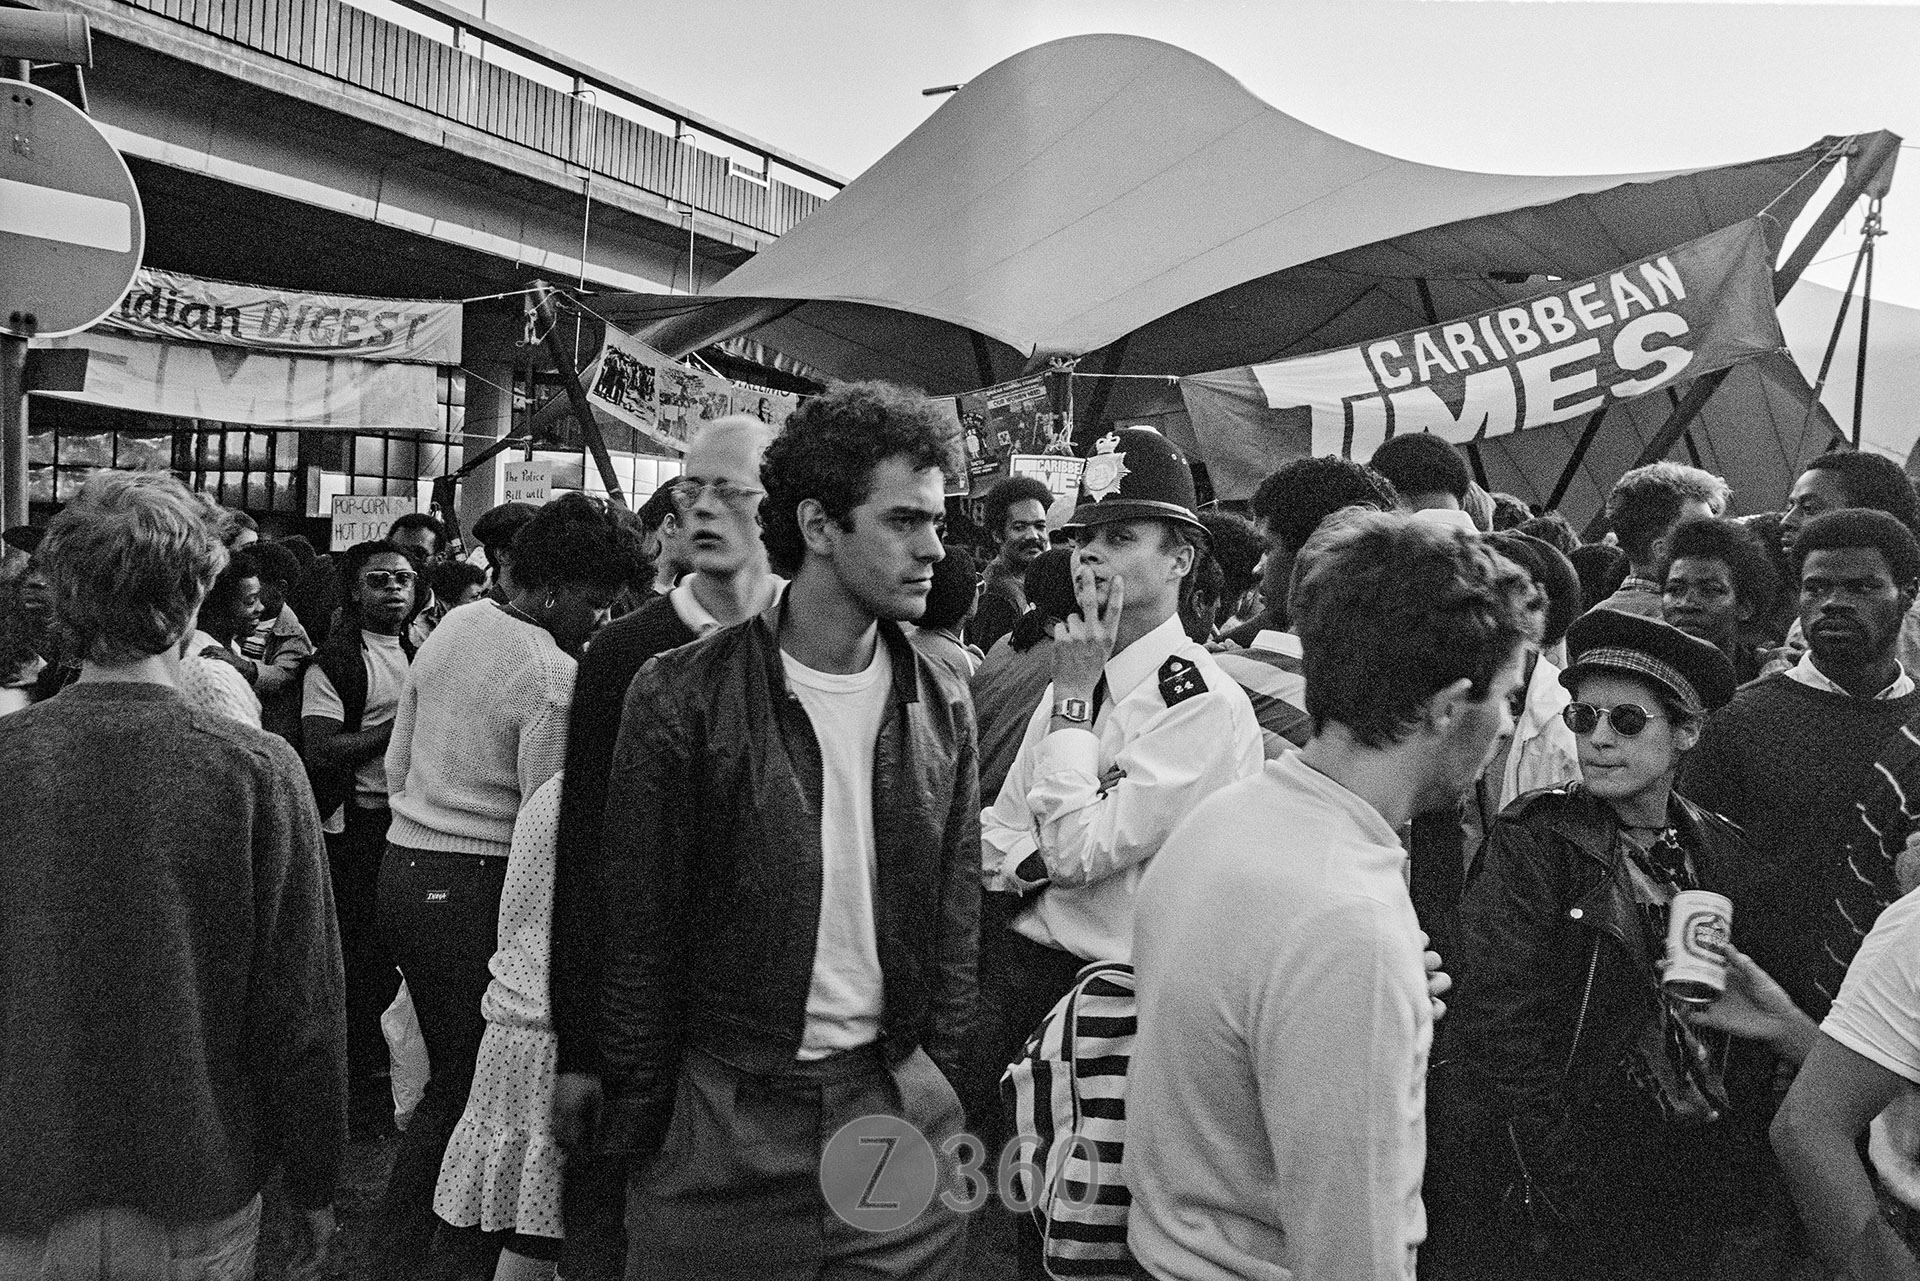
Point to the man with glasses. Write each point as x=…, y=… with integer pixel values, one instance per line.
x=791, y=890
x=351, y=693
x=718, y=499
x=1792, y=756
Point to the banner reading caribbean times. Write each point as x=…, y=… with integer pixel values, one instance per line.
x=1559, y=354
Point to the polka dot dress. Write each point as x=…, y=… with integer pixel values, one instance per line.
x=502, y=1169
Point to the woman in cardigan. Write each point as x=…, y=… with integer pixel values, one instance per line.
x=481, y=726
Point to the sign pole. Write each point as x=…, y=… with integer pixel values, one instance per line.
x=13, y=384
x=13, y=428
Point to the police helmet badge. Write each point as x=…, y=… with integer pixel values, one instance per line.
x=1106, y=468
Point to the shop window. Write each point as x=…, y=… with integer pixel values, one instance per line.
x=69, y=441
x=248, y=468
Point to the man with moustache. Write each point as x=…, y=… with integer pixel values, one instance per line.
x=1016, y=514
x=1841, y=481
x=1275, y=1113
x=348, y=700
x=1793, y=754
x=791, y=891
x=718, y=500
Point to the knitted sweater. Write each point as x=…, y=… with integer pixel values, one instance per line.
x=482, y=724
x=1791, y=765
x=170, y=983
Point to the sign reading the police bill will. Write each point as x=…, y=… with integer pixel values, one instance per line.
x=359, y=518
x=1560, y=354
x=526, y=482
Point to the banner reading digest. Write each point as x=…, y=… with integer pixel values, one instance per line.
x=1691, y=310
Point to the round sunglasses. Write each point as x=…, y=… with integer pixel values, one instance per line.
x=1627, y=719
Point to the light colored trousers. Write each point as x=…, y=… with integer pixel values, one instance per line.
x=118, y=1244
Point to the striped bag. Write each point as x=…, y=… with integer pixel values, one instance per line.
x=1067, y=1095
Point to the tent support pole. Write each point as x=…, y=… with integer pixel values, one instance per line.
x=582, y=407
x=982, y=357
x=1579, y=456
x=1839, y=323
x=1426, y=299
x=1872, y=233
x=1479, y=468
x=1869, y=171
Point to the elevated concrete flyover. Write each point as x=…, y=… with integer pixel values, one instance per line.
x=310, y=143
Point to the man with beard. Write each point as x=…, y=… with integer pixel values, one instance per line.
x=1791, y=757
x=1016, y=515
x=1841, y=481
x=1275, y=1122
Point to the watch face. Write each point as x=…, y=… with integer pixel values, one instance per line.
x=1071, y=709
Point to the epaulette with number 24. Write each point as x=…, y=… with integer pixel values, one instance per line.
x=1180, y=680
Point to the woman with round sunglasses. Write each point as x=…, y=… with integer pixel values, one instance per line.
x=1581, y=1126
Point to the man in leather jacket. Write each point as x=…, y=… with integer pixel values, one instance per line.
x=792, y=895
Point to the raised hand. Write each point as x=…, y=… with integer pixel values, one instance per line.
x=1083, y=643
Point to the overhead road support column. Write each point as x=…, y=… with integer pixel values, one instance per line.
x=489, y=417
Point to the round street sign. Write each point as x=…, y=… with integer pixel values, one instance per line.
x=71, y=227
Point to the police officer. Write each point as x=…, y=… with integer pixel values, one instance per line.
x=1138, y=725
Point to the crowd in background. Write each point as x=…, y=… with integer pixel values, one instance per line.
x=679, y=838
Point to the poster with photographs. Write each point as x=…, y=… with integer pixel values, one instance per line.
x=764, y=403
x=624, y=380
x=1018, y=417
x=687, y=398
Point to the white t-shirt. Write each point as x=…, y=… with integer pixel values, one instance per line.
x=845, y=999
x=1877, y=1014
x=386, y=677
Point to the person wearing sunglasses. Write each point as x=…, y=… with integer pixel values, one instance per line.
x=1579, y=1124
x=348, y=699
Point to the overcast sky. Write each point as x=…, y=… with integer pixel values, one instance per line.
x=1536, y=86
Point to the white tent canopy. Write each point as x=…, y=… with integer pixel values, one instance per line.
x=1106, y=190
x=1125, y=203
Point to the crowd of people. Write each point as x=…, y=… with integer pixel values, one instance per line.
x=1300, y=872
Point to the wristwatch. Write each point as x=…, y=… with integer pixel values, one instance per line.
x=1073, y=709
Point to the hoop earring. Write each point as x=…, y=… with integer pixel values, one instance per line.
x=549, y=604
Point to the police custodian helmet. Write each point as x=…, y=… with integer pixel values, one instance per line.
x=1136, y=474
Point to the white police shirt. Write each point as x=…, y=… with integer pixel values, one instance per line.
x=1175, y=728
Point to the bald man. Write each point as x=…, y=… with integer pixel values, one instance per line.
x=720, y=495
